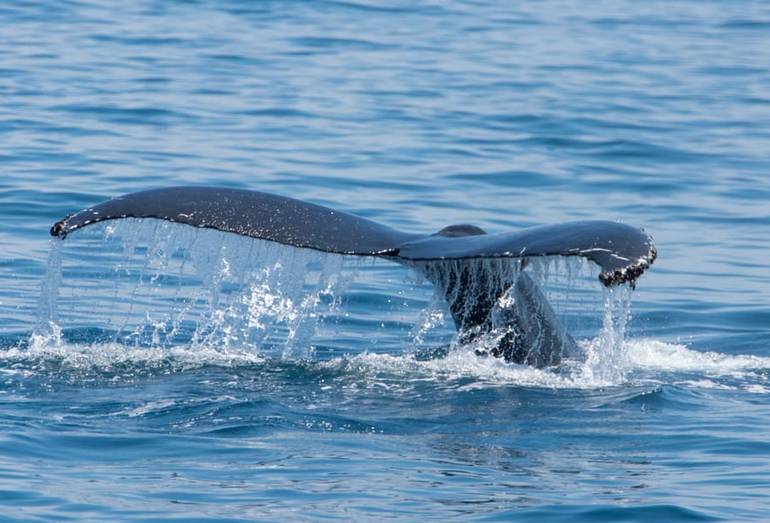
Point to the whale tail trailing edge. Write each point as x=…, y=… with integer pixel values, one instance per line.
x=476, y=258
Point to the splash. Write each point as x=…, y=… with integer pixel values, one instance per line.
x=532, y=312
x=151, y=284
x=138, y=286
x=606, y=355
x=674, y=357
x=145, y=297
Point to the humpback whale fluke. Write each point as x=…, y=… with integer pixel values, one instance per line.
x=621, y=251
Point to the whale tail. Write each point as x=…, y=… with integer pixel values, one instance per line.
x=475, y=271
x=497, y=296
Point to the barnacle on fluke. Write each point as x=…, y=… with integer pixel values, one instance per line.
x=60, y=228
x=630, y=273
x=449, y=258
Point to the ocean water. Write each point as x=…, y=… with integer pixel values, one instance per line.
x=151, y=372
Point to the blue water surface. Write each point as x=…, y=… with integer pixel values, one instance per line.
x=418, y=115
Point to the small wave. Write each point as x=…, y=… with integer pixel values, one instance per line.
x=149, y=407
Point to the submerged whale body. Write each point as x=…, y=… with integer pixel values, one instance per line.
x=474, y=270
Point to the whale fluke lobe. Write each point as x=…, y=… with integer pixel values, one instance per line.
x=248, y=213
x=477, y=260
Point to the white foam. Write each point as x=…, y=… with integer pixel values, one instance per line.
x=482, y=371
x=109, y=356
x=670, y=357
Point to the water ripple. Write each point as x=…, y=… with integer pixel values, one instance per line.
x=416, y=115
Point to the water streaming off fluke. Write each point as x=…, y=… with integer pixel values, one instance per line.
x=161, y=286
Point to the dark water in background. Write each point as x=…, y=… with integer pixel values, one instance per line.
x=655, y=113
